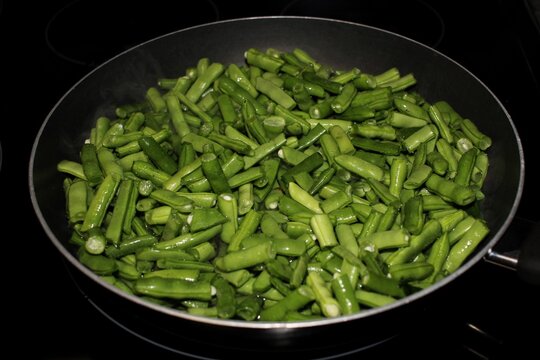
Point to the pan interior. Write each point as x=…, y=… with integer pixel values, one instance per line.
x=342, y=45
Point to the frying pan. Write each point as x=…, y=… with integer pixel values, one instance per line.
x=343, y=45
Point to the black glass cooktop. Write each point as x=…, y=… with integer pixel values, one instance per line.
x=492, y=314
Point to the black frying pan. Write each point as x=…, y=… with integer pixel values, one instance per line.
x=342, y=45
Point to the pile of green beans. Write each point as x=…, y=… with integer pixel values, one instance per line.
x=277, y=190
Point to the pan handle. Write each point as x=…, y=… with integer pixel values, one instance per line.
x=525, y=260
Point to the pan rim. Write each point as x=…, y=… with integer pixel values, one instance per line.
x=278, y=326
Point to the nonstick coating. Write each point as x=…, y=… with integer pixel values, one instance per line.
x=342, y=45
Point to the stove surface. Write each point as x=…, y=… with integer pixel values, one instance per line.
x=496, y=40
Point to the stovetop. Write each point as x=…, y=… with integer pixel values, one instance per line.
x=492, y=314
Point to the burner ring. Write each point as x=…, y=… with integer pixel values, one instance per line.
x=415, y=19
x=102, y=28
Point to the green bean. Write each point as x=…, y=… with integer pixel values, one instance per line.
x=295, y=300
x=187, y=240
x=344, y=292
x=271, y=227
x=139, y=227
x=465, y=167
x=99, y=264
x=204, y=218
x=203, y=252
x=411, y=109
x=246, y=177
x=402, y=83
x=100, y=203
x=380, y=146
x=383, y=285
x=413, y=215
x=289, y=247
x=158, y=155
x=418, y=177
x=153, y=96
x=237, y=278
x=177, y=115
x=389, y=218
x=398, y=174
x=187, y=265
x=456, y=193
x=182, y=274
x=463, y=248
x=449, y=221
x=102, y=125
x=263, y=150
x=330, y=86
x=90, y=164
x=204, y=80
x=134, y=146
x=322, y=108
x=109, y=163
x=411, y=271
x=357, y=113
x=307, y=165
x=376, y=99
x=228, y=206
x=277, y=190
x=359, y=167
x=77, y=201
x=225, y=298
x=116, y=224
x=249, y=307
x=172, y=199
x=479, y=139
x=247, y=227
x=306, y=58
x=342, y=140
x=275, y=93
x=214, y=173
x=430, y=232
x=388, y=239
x=289, y=82
x=262, y=282
x=302, y=97
x=237, y=75
x=328, y=123
x=245, y=258
x=382, y=191
x=460, y=229
x=329, y=306
x=119, y=140
x=95, y=241
x=174, y=288
x=323, y=230
x=72, y=168
x=263, y=61
x=147, y=171
x=422, y=135
x=372, y=299
x=152, y=254
x=292, y=120
x=303, y=197
x=346, y=76
x=335, y=202
x=342, y=101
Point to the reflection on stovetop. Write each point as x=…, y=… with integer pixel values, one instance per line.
x=487, y=323
x=100, y=29
x=493, y=39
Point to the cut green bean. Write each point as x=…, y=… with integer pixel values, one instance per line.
x=114, y=230
x=281, y=189
x=174, y=288
x=100, y=203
